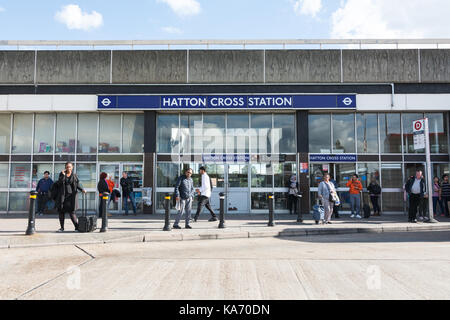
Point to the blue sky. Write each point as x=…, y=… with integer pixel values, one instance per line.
x=219, y=19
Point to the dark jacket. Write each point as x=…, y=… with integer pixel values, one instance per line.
x=127, y=186
x=374, y=189
x=410, y=183
x=63, y=198
x=184, y=188
x=44, y=185
x=102, y=186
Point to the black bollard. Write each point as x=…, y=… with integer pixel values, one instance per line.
x=299, y=212
x=222, y=209
x=104, y=198
x=32, y=214
x=167, y=213
x=271, y=223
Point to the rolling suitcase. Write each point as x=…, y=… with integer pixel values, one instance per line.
x=86, y=223
x=318, y=213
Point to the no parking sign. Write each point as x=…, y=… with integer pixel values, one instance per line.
x=419, y=134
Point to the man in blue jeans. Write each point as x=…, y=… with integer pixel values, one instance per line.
x=127, y=191
x=184, y=193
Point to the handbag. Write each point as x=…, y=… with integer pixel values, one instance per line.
x=330, y=196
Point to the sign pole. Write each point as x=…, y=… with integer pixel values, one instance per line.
x=429, y=174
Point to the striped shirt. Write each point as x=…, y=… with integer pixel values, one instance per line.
x=445, y=187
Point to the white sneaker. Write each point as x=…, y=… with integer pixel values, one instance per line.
x=60, y=230
x=358, y=217
x=352, y=216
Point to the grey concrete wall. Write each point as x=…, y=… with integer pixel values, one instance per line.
x=226, y=66
x=380, y=65
x=73, y=67
x=149, y=67
x=435, y=65
x=303, y=66
x=16, y=67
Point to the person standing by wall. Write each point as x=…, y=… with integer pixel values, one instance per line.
x=68, y=187
x=127, y=192
x=437, y=197
x=355, y=199
x=204, y=195
x=415, y=187
x=184, y=193
x=43, y=187
x=326, y=192
x=374, y=193
x=292, y=194
x=445, y=194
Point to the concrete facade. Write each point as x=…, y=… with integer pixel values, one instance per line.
x=225, y=66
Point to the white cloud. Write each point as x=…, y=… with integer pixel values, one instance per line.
x=184, y=7
x=172, y=30
x=391, y=19
x=307, y=7
x=74, y=18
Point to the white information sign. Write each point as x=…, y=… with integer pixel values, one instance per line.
x=419, y=134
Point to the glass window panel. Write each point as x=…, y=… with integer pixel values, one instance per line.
x=3, y=201
x=87, y=174
x=317, y=172
x=44, y=132
x=408, y=138
x=58, y=168
x=19, y=201
x=260, y=200
x=439, y=169
x=391, y=175
x=284, y=133
x=167, y=174
x=191, y=133
x=38, y=172
x=261, y=175
x=392, y=202
x=260, y=133
x=390, y=134
x=344, y=172
x=87, y=133
x=20, y=175
x=136, y=173
x=238, y=176
x=110, y=135
x=4, y=170
x=217, y=174
x=5, y=132
x=90, y=199
x=437, y=124
x=65, y=133
x=167, y=140
x=344, y=196
x=367, y=132
x=22, y=133
x=281, y=201
x=133, y=133
x=283, y=173
x=238, y=133
x=344, y=133
x=367, y=171
x=319, y=126
x=213, y=133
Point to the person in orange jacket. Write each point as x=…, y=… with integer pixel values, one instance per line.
x=355, y=200
x=111, y=186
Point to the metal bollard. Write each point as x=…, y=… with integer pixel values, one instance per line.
x=222, y=209
x=167, y=213
x=271, y=223
x=104, y=198
x=299, y=217
x=32, y=214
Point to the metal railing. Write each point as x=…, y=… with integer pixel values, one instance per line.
x=284, y=43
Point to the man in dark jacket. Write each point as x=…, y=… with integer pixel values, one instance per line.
x=42, y=188
x=126, y=183
x=184, y=194
x=416, y=189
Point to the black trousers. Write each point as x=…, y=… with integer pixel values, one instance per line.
x=292, y=203
x=42, y=201
x=73, y=217
x=414, y=202
x=375, y=203
x=204, y=202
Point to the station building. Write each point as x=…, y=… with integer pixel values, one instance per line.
x=253, y=118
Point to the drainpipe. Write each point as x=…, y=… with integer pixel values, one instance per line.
x=392, y=95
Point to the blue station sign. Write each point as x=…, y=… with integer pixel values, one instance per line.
x=177, y=102
x=332, y=158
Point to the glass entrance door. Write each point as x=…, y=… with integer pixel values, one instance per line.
x=237, y=188
x=113, y=172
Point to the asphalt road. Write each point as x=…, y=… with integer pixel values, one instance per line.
x=410, y=265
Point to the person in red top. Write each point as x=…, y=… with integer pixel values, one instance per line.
x=355, y=200
x=111, y=186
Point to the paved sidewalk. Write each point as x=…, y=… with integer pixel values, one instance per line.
x=148, y=228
